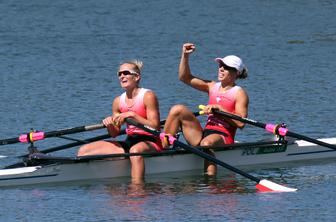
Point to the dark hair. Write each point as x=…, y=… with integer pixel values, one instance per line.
x=242, y=74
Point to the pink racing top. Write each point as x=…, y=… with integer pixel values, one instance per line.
x=228, y=101
x=138, y=107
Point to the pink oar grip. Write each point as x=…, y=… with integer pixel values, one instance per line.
x=33, y=137
x=283, y=131
x=170, y=137
x=271, y=128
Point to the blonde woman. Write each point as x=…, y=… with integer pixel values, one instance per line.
x=139, y=104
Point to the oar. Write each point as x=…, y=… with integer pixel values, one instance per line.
x=272, y=128
x=262, y=185
x=34, y=136
x=92, y=139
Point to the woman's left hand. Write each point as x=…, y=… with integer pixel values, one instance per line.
x=120, y=119
x=208, y=108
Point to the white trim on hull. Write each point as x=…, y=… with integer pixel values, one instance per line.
x=251, y=157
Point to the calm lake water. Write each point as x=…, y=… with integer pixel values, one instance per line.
x=57, y=70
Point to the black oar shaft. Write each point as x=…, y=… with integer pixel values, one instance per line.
x=195, y=151
x=9, y=141
x=73, y=130
x=241, y=119
x=92, y=139
x=42, y=135
x=215, y=160
x=318, y=142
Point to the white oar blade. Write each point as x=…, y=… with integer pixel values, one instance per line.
x=21, y=170
x=2, y=156
x=269, y=186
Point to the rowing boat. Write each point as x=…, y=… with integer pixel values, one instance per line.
x=43, y=169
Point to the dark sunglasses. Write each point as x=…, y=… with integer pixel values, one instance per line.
x=229, y=68
x=126, y=73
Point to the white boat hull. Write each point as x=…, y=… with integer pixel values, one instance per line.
x=243, y=158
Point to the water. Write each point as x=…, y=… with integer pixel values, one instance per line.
x=57, y=70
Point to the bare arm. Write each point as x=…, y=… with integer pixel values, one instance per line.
x=152, y=107
x=241, y=109
x=113, y=128
x=185, y=73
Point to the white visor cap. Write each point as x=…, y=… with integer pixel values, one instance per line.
x=232, y=61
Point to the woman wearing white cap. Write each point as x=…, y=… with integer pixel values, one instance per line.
x=224, y=95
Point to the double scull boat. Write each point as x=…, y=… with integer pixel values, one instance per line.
x=42, y=168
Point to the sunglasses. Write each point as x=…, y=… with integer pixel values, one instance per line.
x=229, y=68
x=126, y=73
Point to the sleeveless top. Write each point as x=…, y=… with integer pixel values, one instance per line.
x=228, y=101
x=138, y=107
